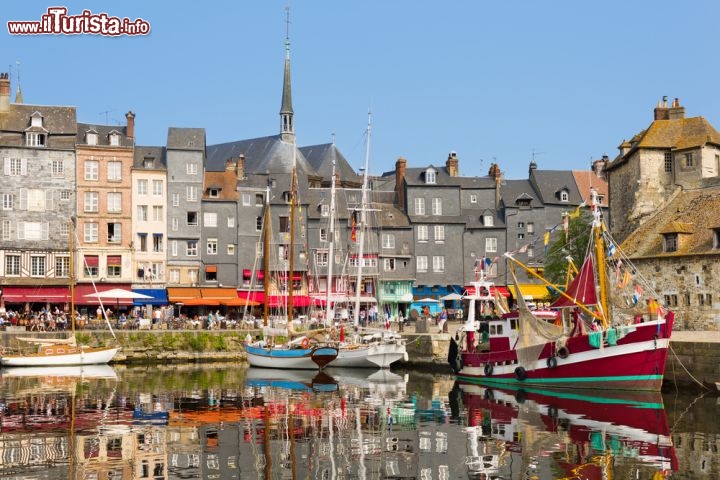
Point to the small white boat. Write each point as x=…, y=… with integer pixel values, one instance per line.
x=374, y=350
x=48, y=355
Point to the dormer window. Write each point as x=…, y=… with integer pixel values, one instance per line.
x=430, y=176
x=91, y=137
x=488, y=220
x=213, y=192
x=36, y=120
x=148, y=162
x=34, y=139
x=564, y=195
x=670, y=242
x=324, y=210
x=114, y=139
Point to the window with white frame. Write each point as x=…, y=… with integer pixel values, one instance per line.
x=531, y=251
x=439, y=233
x=114, y=202
x=210, y=219
x=175, y=199
x=321, y=259
x=114, y=139
x=174, y=248
x=419, y=206
x=246, y=199
x=437, y=206
x=324, y=210
x=12, y=265
x=430, y=176
x=91, y=137
x=389, y=264
x=231, y=222
x=62, y=267
x=114, y=232
x=191, y=248
x=212, y=246
x=8, y=202
x=438, y=263
x=192, y=219
x=158, y=214
x=15, y=167
x=491, y=245
x=157, y=243
x=473, y=198
x=33, y=231
x=191, y=168
x=114, y=171
x=258, y=223
x=564, y=196
x=191, y=193
x=37, y=266
x=34, y=139
x=231, y=249
x=422, y=233
x=174, y=275
x=90, y=231
x=37, y=200
x=142, y=245
x=6, y=230
x=388, y=240
x=213, y=192
x=175, y=224
x=142, y=186
x=157, y=187
x=58, y=168
x=421, y=263
x=92, y=167
x=92, y=199
x=142, y=213
x=488, y=220
x=323, y=235
x=531, y=228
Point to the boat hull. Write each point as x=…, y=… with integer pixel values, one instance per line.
x=636, y=362
x=293, y=358
x=369, y=356
x=86, y=356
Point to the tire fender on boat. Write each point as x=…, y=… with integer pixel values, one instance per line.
x=305, y=343
x=563, y=352
x=520, y=373
x=488, y=369
x=552, y=362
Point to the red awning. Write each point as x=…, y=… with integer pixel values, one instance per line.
x=114, y=260
x=282, y=300
x=254, y=296
x=92, y=260
x=84, y=289
x=258, y=274
x=470, y=290
x=36, y=294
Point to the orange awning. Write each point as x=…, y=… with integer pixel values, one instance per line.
x=209, y=302
x=219, y=293
x=181, y=294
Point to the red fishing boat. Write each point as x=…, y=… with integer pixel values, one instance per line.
x=605, y=330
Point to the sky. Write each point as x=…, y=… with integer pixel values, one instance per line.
x=563, y=82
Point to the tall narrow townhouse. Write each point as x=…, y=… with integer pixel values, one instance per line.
x=37, y=188
x=149, y=226
x=104, y=208
x=185, y=156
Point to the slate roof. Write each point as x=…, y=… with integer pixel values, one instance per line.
x=473, y=218
x=186, y=139
x=416, y=176
x=694, y=214
x=103, y=132
x=59, y=121
x=262, y=155
x=156, y=153
x=549, y=184
x=390, y=216
x=512, y=190
x=321, y=158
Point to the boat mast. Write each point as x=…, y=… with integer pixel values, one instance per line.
x=600, y=256
x=290, y=274
x=72, y=277
x=363, y=215
x=328, y=290
x=266, y=255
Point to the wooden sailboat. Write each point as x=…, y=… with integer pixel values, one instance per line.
x=597, y=335
x=60, y=351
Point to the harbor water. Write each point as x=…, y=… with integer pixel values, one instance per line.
x=231, y=422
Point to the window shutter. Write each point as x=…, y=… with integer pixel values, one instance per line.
x=6, y=166
x=21, y=230
x=49, y=200
x=23, y=166
x=11, y=233
x=118, y=232
x=45, y=231
x=23, y=199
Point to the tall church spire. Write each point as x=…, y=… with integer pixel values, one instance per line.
x=287, y=129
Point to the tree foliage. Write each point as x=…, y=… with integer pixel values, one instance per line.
x=578, y=237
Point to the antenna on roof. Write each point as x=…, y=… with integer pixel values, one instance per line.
x=332, y=136
x=105, y=112
x=534, y=153
x=287, y=27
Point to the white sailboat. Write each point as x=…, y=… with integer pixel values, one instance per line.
x=60, y=351
x=372, y=348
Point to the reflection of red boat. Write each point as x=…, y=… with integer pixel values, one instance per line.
x=592, y=429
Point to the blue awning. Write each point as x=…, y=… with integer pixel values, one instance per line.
x=159, y=296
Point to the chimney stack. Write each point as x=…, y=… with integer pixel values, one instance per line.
x=676, y=112
x=400, y=165
x=4, y=92
x=452, y=164
x=240, y=170
x=130, y=117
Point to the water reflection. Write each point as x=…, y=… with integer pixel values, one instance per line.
x=223, y=421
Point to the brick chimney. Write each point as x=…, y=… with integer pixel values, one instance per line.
x=240, y=170
x=452, y=164
x=676, y=112
x=496, y=174
x=400, y=165
x=130, y=117
x=4, y=92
